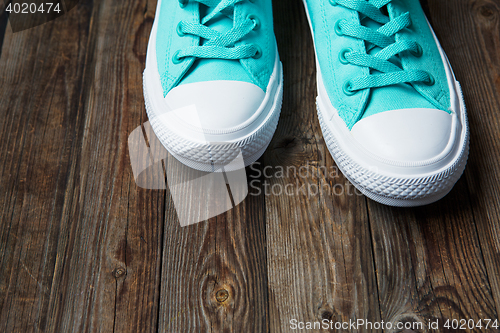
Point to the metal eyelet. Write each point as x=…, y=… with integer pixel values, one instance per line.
x=419, y=51
x=180, y=33
x=337, y=28
x=256, y=21
x=183, y=3
x=257, y=54
x=431, y=80
x=342, y=55
x=176, y=59
x=333, y=2
x=347, y=88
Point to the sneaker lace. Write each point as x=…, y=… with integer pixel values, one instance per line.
x=385, y=61
x=218, y=45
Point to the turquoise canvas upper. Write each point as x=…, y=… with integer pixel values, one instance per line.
x=206, y=40
x=376, y=56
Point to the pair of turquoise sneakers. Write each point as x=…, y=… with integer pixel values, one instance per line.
x=390, y=108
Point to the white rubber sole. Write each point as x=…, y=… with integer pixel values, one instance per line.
x=218, y=151
x=386, y=182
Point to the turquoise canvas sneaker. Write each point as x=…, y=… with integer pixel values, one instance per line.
x=213, y=81
x=389, y=105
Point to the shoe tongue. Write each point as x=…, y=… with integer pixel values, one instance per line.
x=216, y=69
x=218, y=22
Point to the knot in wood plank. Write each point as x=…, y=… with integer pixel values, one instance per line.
x=119, y=272
x=222, y=295
x=486, y=11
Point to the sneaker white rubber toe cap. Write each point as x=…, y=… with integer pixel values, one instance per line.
x=406, y=136
x=215, y=105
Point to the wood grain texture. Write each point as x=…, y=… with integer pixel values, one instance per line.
x=319, y=250
x=81, y=253
x=115, y=242
x=84, y=249
x=429, y=262
x=473, y=49
x=214, y=272
x=39, y=112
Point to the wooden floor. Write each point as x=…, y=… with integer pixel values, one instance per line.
x=83, y=249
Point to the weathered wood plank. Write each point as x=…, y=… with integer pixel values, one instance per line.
x=41, y=78
x=470, y=33
x=214, y=272
x=319, y=249
x=429, y=262
x=109, y=264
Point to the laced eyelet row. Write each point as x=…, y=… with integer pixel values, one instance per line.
x=348, y=91
x=347, y=87
x=177, y=59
